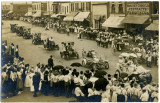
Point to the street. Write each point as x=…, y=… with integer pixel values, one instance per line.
x=34, y=54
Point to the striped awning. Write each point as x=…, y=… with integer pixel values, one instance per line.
x=114, y=22
x=153, y=26
x=81, y=16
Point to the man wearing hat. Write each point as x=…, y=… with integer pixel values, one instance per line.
x=50, y=62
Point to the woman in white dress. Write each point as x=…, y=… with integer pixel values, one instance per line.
x=27, y=80
x=106, y=95
x=31, y=81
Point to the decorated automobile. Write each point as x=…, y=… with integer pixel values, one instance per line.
x=128, y=67
x=68, y=51
x=90, y=60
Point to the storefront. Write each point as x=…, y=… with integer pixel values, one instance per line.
x=69, y=19
x=136, y=24
x=99, y=14
x=37, y=14
x=58, y=17
x=138, y=17
x=82, y=19
x=114, y=24
x=153, y=29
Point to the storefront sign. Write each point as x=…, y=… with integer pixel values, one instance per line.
x=138, y=8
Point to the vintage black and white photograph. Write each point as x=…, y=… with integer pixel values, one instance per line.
x=79, y=51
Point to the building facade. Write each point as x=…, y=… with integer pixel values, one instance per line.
x=19, y=10
x=138, y=16
x=39, y=8
x=116, y=14
x=99, y=14
x=5, y=8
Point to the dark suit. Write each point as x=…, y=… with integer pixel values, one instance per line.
x=50, y=62
x=36, y=81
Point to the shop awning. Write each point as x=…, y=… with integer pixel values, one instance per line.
x=28, y=14
x=10, y=12
x=153, y=26
x=56, y=15
x=37, y=14
x=130, y=19
x=97, y=17
x=81, y=16
x=70, y=16
x=46, y=13
x=114, y=22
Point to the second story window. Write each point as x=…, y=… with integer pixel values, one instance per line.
x=120, y=8
x=113, y=8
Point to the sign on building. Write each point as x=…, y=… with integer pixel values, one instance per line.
x=137, y=8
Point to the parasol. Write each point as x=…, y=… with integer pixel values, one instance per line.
x=57, y=67
x=101, y=84
x=124, y=54
x=76, y=64
x=100, y=74
x=133, y=55
x=123, y=75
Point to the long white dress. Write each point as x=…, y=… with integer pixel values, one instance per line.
x=27, y=80
x=31, y=82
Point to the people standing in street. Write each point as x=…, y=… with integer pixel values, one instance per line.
x=50, y=62
x=67, y=31
x=36, y=81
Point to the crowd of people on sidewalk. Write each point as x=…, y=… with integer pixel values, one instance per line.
x=85, y=86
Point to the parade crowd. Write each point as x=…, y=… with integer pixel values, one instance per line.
x=85, y=86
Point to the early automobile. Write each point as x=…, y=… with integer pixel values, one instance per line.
x=127, y=67
x=20, y=30
x=90, y=60
x=13, y=27
x=50, y=44
x=68, y=51
x=37, y=39
x=27, y=33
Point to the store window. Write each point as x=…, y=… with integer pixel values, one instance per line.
x=155, y=7
x=113, y=8
x=120, y=8
x=77, y=6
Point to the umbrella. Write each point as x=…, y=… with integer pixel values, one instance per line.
x=76, y=64
x=133, y=55
x=100, y=74
x=57, y=67
x=125, y=54
x=101, y=84
x=123, y=75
